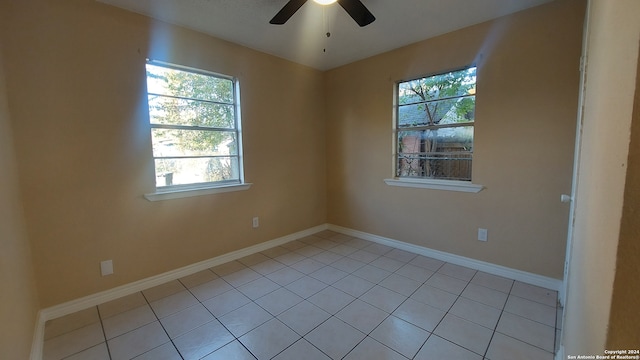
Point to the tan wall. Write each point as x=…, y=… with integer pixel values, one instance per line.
x=624, y=321
x=83, y=146
x=524, y=138
x=18, y=298
x=75, y=70
x=612, y=55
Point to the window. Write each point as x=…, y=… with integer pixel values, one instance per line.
x=434, y=126
x=195, y=127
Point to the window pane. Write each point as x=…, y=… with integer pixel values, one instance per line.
x=167, y=81
x=410, y=142
x=412, y=115
x=451, y=84
x=448, y=111
x=461, y=109
x=196, y=170
x=443, y=153
x=170, y=142
x=173, y=111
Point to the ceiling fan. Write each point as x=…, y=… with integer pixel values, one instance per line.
x=354, y=8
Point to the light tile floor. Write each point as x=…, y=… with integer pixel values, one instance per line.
x=326, y=296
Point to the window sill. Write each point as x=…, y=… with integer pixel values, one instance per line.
x=449, y=185
x=188, y=192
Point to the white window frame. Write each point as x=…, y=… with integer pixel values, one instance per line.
x=204, y=188
x=426, y=182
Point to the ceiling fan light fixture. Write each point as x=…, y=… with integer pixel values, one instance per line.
x=354, y=8
x=325, y=2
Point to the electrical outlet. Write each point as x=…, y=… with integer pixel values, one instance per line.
x=256, y=222
x=482, y=234
x=106, y=267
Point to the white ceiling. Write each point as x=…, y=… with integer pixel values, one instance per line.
x=302, y=39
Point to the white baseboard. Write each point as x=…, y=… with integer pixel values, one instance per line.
x=519, y=275
x=38, y=338
x=72, y=306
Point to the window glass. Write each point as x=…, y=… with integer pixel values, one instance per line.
x=434, y=126
x=195, y=128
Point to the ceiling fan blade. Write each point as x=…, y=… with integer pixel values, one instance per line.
x=287, y=11
x=357, y=11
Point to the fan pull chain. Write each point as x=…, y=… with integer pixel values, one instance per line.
x=324, y=26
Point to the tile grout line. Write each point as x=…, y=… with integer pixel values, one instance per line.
x=523, y=341
x=161, y=325
x=334, y=315
x=272, y=316
x=538, y=303
x=409, y=297
x=448, y=312
x=215, y=317
x=405, y=300
x=484, y=356
x=104, y=333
